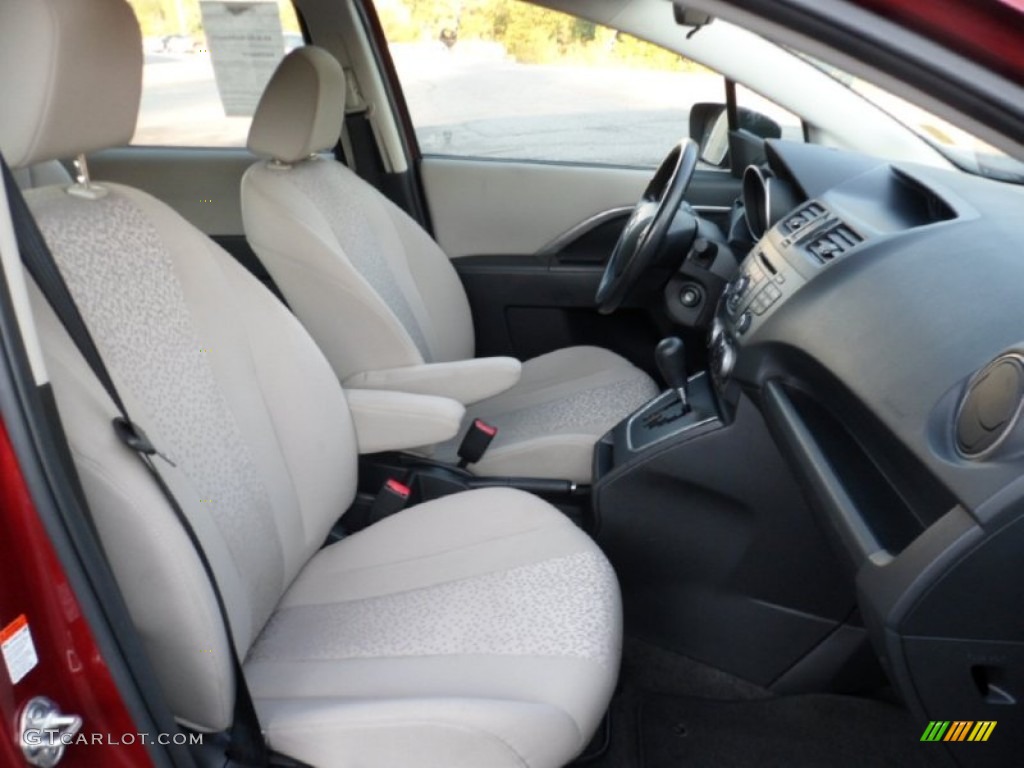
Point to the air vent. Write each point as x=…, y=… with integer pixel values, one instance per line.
x=833, y=243
x=990, y=407
x=801, y=218
x=939, y=209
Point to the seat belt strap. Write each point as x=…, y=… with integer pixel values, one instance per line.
x=247, y=745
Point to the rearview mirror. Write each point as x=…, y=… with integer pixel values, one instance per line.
x=709, y=127
x=688, y=17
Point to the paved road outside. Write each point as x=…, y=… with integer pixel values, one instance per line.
x=181, y=105
x=473, y=101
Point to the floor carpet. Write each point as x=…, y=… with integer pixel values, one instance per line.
x=811, y=730
x=673, y=712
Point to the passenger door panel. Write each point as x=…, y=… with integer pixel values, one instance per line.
x=529, y=241
x=480, y=206
x=525, y=306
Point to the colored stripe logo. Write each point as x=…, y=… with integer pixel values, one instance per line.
x=958, y=730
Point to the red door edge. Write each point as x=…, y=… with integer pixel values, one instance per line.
x=991, y=33
x=70, y=669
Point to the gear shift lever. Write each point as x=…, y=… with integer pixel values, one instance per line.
x=670, y=355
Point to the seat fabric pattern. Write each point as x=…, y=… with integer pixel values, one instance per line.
x=230, y=388
x=435, y=621
x=376, y=292
x=373, y=289
x=350, y=216
x=481, y=629
x=430, y=608
x=146, y=334
x=564, y=402
x=355, y=285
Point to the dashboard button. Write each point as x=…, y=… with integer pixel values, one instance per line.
x=690, y=296
x=743, y=324
x=723, y=358
x=717, y=331
x=734, y=294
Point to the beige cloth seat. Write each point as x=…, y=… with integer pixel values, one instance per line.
x=472, y=630
x=42, y=175
x=384, y=302
x=479, y=630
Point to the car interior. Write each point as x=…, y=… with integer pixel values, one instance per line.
x=549, y=411
x=397, y=458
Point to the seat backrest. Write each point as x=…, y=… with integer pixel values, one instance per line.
x=370, y=285
x=42, y=175
x=221, y=376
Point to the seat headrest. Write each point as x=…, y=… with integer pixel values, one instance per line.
x=70, y=77
x=302, y=109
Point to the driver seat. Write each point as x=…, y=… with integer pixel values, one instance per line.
x=385, y=304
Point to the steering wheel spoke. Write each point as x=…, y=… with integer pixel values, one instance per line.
x=645, y=231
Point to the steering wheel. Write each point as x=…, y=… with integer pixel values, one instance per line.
x=644, y=233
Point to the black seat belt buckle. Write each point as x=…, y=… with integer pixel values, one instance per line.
x=476, y=442
x=392, y=497
x=131, y=435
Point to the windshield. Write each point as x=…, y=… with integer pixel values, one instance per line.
x=962, y=149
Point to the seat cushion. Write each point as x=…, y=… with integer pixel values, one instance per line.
x=480, y=629
x=548, y=422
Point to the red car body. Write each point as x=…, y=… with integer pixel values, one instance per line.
x=71, y=669
x=990, y=32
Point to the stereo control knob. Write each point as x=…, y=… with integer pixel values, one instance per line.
x=743, y=324
x=723, y=359
x=734, y=295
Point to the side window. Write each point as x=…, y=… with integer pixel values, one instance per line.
x=506, y=79
x=206, y=64
x=791, y=125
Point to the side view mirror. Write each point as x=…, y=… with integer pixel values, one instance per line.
x=709, y=127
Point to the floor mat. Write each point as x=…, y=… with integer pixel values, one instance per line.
x=812, y=730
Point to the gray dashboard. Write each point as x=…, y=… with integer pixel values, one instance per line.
x=929, y=290
x=863, y=323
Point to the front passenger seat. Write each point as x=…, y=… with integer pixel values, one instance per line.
x=479, y=629
x=385, y=304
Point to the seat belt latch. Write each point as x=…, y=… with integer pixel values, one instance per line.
x=131, y=435
x=392, y=497
x=476, y=442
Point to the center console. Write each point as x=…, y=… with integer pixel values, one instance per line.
x=765, y=279
x=686, y=410
x=661, y=423
x=718, y=555
x=785, y=259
